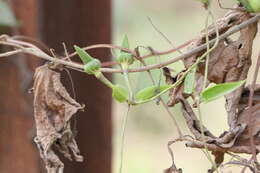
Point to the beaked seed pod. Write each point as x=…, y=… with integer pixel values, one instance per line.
x=125, y=58
x=92, y=67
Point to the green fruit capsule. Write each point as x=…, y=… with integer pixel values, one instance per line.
x=92, y=67
x=125, y=58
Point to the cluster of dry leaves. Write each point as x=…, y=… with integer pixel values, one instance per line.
x=229, y=61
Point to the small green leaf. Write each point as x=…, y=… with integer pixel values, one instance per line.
x=150, y=92
x=119, y=93
x=255, y=5
x=252, y=6
x=7, y=17
x=189, y=82
x=84, y=56
x=125, y=43
x=219, y=90
x=247, y=5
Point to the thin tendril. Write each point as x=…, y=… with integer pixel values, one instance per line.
x=125, y=120
x=206, y=152
x=127, y=81
x=74, y=97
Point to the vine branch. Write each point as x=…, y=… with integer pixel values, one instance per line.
x=28, y=48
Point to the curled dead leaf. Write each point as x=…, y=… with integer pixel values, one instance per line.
x=53, y=109
x=244, y=139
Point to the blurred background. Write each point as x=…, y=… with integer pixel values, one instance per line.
x=87, y=22
x=149, y=127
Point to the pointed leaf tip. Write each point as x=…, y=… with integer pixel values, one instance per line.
x=84, y=56
x=150, y=92
x=125, y=43
x=219, y=90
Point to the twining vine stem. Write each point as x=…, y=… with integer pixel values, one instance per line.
x=232, y=30
x=29, y=48
x=209, y=14
x=25, y=47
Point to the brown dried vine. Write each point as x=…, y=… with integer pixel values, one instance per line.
x=53, y=109
x=229, y=61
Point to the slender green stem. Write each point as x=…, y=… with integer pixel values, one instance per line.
x=208, y=55
x=206, y=152
x=208, y=46
x=127, y=81
x=103, y=79
x=178, y=82
x=125, y=120
x=164, y=104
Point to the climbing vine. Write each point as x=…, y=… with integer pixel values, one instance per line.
x=215, y=66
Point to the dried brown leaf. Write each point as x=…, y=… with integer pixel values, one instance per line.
x=244, y=138
x=223, y=60
x=229, y=62
x=53, y=109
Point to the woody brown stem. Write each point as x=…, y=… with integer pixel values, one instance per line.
x=39, y=53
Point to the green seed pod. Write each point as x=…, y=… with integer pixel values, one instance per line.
x=125, y=58
x=92, y=67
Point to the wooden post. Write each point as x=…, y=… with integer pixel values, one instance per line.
x=84, y=22
x=81, y=22
x=18, y=153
